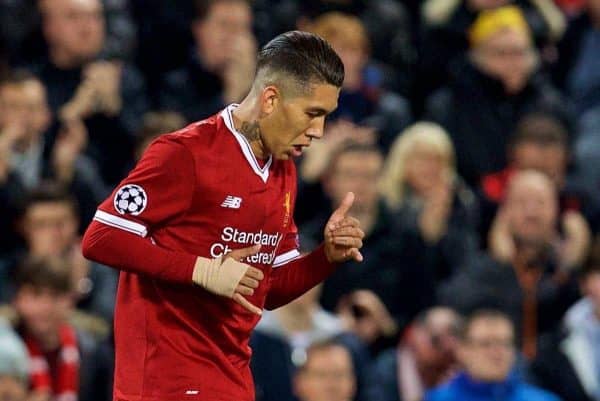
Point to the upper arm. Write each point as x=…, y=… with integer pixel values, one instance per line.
x=158, y=190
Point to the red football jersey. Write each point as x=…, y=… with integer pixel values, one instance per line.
x=200, y=191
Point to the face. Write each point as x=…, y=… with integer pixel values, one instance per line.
x=434, y=342
x=327, y=376
x=548, y=159
x=25, y=105
x=217, y=33
x=591, y=289
x=50, y=228
x=290, y=124
x=12, y=389
x=358, y=172
x=42, y=310
x=488, y=353
x=531, y=208
x=425, y=168
x=353, y=57
x=76, y=28
x=509, y=56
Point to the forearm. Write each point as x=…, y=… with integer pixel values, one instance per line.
x=293, y=279
x=129, y=252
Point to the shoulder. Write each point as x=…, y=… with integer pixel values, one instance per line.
x=531, y=393
x=445, y=392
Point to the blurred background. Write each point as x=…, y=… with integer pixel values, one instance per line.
x=469, y=131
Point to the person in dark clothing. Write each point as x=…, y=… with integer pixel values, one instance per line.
x=491, y=90
x=568, y=361
x=390, y=265
x=525, y=273
x=221, y=65
x=423, y=359
x=28, y=157
x=430, y=203
x=108, y=95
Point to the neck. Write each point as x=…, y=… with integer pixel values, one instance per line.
x=63, y=59
x=367, y=219
x=246, y=122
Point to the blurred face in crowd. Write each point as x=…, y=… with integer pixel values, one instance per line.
x=425, y=168
x=217, y=32
x=74, y=29
x=23, y=106
x=550, y=159
x=487, y=353
x=354, y=58
x=358, y=172
x=50, y=228
x=42, y=311
x=590, y=287
x=507, y=55
x=434, y=341
x=594, y=10
x=327, y=376
x=531, y=207
x=12, y=389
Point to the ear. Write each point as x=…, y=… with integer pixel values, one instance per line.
x=270, y=99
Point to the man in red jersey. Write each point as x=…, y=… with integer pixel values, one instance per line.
x=203, y=232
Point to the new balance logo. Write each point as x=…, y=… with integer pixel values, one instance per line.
x=232, y=202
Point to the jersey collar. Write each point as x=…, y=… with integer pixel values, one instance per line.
x=263, y=172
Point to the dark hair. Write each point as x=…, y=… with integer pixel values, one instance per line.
x=50, y=273
x=592, y=263
x=49, y=192
x=155, y=123
x=304, y=56
x=17, y=77
x=481, y=314
x=321, y=345
x=203, y=7
x=540, y=128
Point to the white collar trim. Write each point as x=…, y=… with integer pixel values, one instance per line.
x=263, y=172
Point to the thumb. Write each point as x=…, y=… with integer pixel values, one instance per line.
x=242, y=253
x=344, y=207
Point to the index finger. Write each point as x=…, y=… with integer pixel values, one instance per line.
x=345, y=206
x=239, y=298
x=255, y=273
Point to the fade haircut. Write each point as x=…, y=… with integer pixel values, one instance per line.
x=295, y=60
x=49, y=273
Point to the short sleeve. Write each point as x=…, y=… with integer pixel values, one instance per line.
x=158, y=190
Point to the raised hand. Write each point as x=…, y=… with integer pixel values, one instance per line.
x=343, y=236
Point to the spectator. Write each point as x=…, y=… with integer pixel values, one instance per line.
x=14, y=365
x=491, y=90
x=423, y=359
x=357, y=168
x=29, y=155
x=445, y=37
x=66, y=362
x=577, y=68
x=568, y=362
x=50, y=230
x=541, y=143
x=221, y=67
x=288, y=332
x=527, y=273
x=154, y=124
x=327, y=374
x=108, y=95
x=364, y=99
x=487, y=353
x=430, y=202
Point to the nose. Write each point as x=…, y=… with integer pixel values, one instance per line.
x=315, y=131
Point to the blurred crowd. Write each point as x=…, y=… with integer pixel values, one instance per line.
x=469, y=131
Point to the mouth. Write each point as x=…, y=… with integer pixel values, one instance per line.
x=297, y=150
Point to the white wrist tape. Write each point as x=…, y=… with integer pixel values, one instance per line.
x=218, y=276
